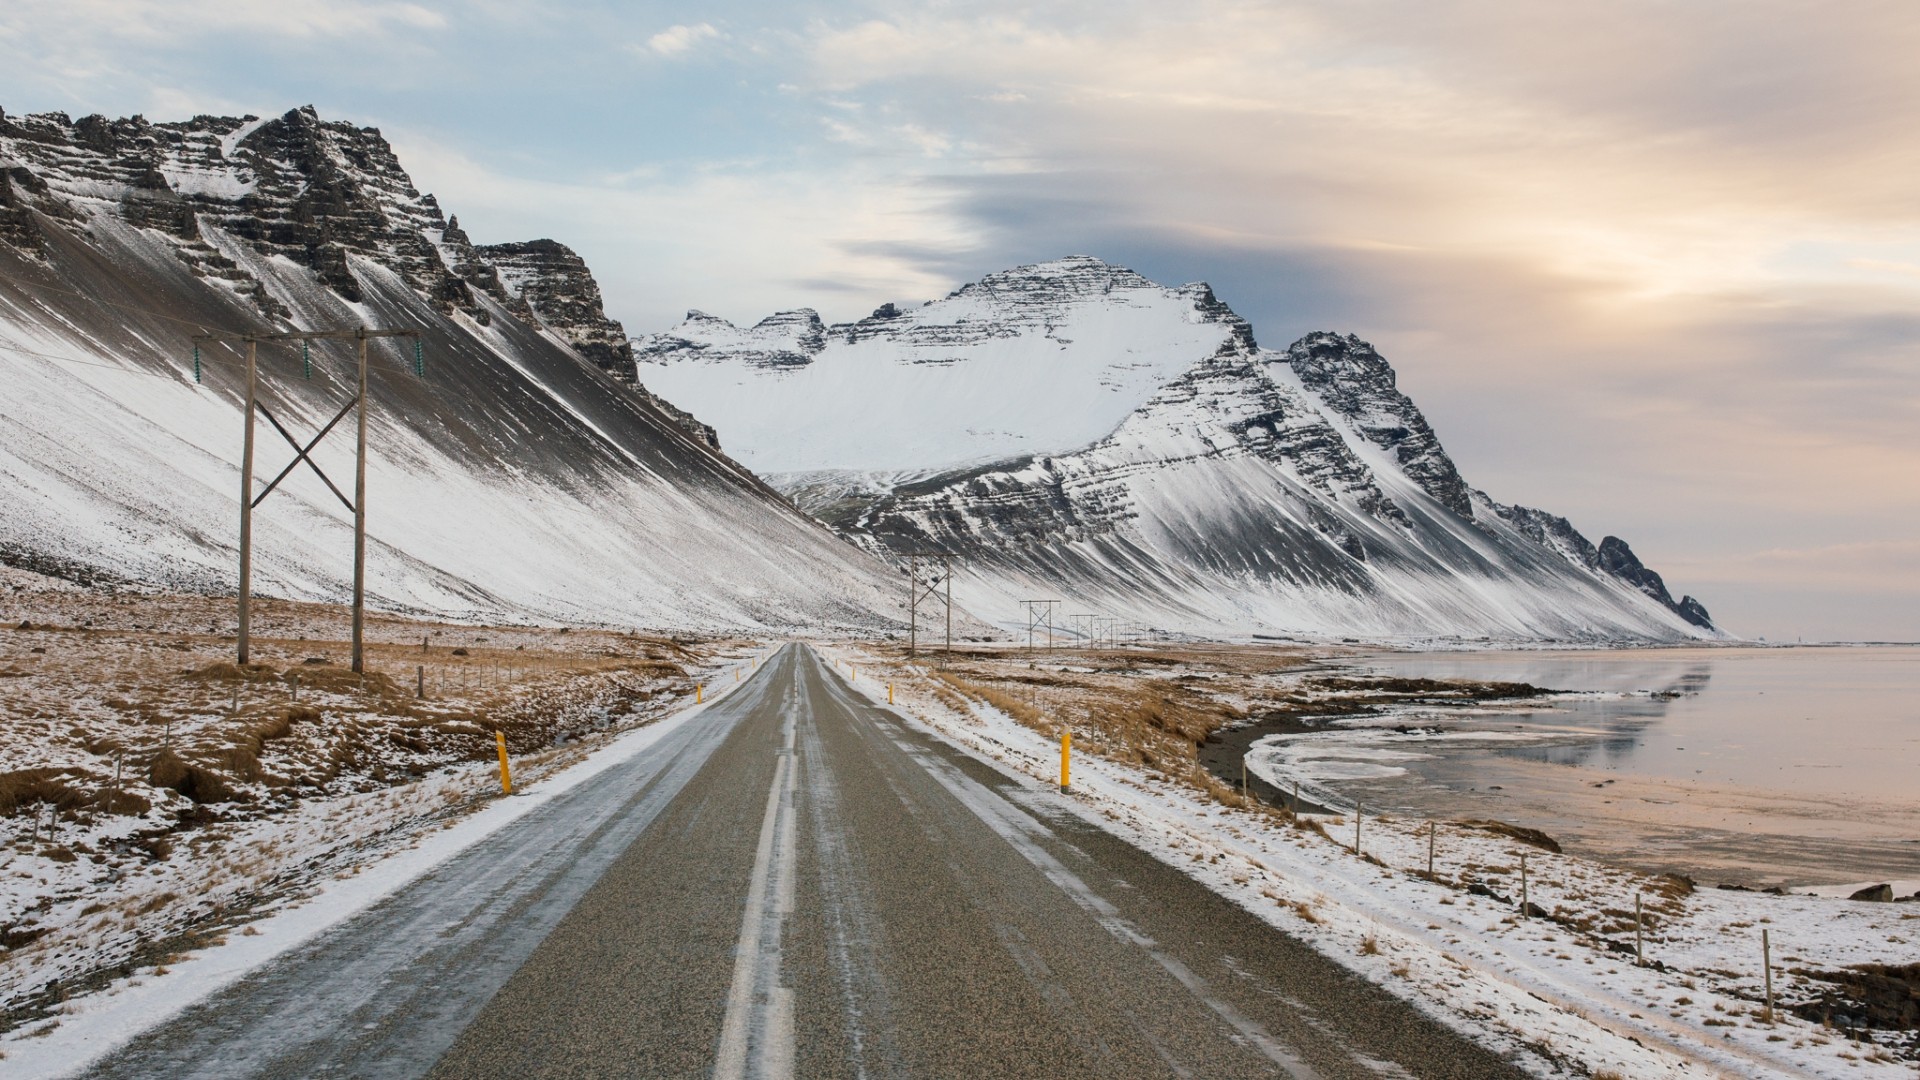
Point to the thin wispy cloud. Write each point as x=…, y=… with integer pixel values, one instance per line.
x=677, y=40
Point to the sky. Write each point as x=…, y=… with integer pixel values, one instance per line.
x=1653, y=264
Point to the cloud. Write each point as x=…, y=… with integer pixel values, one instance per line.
x=1645, y=265
x=156, y=21
x=677, y=40
x=740, y=241
x=1651, y=265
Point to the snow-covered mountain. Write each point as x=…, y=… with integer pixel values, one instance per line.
x=1076, y=431
x=519, y=476
x=1042, y=359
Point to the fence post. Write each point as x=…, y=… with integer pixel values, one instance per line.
x=1523, y=886
x=1639, y=945
x=1432, y=827
x=1359, y=811
x=1766, y=965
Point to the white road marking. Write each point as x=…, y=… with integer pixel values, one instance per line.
x=1021, y=829
x=756, y=1035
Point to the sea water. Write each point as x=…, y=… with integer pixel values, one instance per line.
x=1756, y=765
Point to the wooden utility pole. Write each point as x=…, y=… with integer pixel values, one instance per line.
x=246, y=505
x=1039, y=614
x=360, y=516
x=933, y=590
x=358, y=504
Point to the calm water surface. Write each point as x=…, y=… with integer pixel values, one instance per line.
x=1809, y=721
x=1758, y=766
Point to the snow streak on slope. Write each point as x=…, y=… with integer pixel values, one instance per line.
x=514, y=479
x=1236, y=500
x=1038, y=359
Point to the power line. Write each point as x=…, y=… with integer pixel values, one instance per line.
x=235, y=361
x=82, y=363
x=17, y=280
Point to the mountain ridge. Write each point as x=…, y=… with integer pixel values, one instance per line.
x=515, y=476
x=1244, y=490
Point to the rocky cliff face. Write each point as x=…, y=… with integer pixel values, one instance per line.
x=512, y=479
x=556, y=288
x=314, y=192
x=781, y=341
x=1356, y=383
x=1618, y=559
x=1235, y=489
x=317, y=193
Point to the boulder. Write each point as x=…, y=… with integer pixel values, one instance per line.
x=1878, y=894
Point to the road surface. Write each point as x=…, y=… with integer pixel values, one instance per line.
x=794, y=883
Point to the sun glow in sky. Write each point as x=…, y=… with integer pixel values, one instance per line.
x=1653, y=265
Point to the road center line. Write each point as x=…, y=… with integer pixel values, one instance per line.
x=756, y=1034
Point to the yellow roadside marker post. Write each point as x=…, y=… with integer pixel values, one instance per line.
x=506, y=773
x=889, y=693
x=699, y=692
x=1066, y=759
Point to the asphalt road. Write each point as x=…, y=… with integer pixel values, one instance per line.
x=793, y=883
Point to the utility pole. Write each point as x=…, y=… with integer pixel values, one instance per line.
x=932, y=590
x=360, y=515
x=246, y=506
x=358, y=504
x=1040, y=613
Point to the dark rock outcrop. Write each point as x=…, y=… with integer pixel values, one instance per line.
x=1616, y=558
x=1358, y=383
x=554, y=286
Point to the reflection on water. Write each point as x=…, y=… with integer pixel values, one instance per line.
x=1767, y=765
x=1813, y=721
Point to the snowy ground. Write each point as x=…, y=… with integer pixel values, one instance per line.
x=155, y=798
x=1560, y=988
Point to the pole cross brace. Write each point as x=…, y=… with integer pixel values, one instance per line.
x=301, y=453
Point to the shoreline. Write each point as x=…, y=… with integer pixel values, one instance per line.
x=1721, y=834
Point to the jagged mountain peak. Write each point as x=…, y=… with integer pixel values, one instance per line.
x=319, y=193
x=1081, y=274
x=782, y=341
x=1618, y=559
x=1355, y=382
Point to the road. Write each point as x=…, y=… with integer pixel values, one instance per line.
x=794, y=883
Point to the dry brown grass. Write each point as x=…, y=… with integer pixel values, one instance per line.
x=1141, y=707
